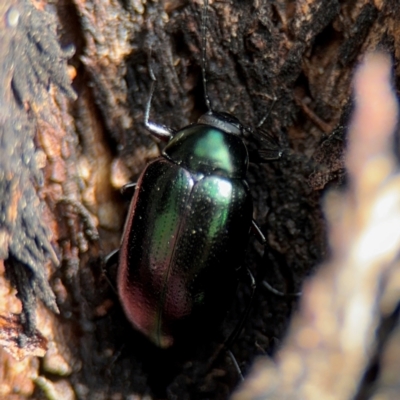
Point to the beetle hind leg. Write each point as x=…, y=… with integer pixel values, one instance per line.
x=278, y=292
x=226, y=346
x=235, y=363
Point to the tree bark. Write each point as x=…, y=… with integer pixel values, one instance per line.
x=290, y=63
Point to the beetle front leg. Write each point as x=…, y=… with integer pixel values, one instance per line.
x=161, y=132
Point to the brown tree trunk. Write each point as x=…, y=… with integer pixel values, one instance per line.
x=289, y=61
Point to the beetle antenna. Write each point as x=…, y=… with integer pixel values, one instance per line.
x=203, y=54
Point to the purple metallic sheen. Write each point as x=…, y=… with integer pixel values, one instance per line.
x=183, y=241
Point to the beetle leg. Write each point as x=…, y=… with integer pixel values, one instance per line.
x=278, y=259
x=109, y=261
x=162, y=132
x=264, y=118
x=237, y=330
x=265, y=155
x=129, y=187
x=271, y=149
x=235, y=363
x=278, y=292
x=239, y=326
x=257, y=231
x=111, y=258
x=261, y=238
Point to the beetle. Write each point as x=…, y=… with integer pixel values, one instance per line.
x=187, y=228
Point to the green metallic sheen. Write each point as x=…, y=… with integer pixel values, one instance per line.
x=208, y=150
x=185, y=236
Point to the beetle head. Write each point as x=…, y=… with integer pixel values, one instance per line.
x=224, y=121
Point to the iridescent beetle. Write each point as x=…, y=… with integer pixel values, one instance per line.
x=187, y=227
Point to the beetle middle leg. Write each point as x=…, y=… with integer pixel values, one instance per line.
x=111, y=259
x=110, y=262
x=227, y=345
x=262, y=240
x=258, y=233
x=129, y=188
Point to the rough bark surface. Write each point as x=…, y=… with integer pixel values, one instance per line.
x=289, y=61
